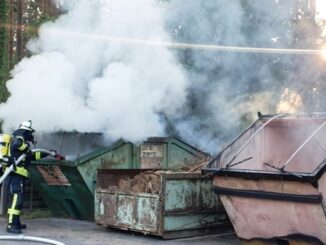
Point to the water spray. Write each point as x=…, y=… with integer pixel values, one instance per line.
x=177, y=45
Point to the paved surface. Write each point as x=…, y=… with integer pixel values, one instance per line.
x=75, y=232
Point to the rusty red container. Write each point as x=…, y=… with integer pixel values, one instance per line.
x=272, y=180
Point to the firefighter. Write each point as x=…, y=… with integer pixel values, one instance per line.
x=22, y=140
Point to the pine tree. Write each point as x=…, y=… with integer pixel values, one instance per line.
x=3, y=49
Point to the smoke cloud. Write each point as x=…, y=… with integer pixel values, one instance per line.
x=227, y=89
x=86, y=76
x=78, y=81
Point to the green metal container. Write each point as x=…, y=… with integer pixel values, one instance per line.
x=68, y=187
x=184, y=205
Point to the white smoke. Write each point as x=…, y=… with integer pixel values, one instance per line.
x=87, y=75
x=77, y=79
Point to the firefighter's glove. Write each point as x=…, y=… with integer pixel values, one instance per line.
x=59, y=157
x=9, y=161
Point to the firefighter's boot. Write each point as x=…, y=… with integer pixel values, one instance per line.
x=15, y=229
x=20, y=225
x=14, y=225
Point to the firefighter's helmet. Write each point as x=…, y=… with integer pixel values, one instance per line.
x=27, y=125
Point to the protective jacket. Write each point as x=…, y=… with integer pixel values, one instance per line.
x=16, y=182
x=19, y=146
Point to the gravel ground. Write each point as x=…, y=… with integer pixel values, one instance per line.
x=76, y=232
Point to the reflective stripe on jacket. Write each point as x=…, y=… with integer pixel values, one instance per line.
x=16, y=149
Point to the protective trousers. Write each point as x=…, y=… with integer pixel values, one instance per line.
x=16, y=188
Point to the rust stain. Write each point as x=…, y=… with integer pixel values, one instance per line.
x=53, y=175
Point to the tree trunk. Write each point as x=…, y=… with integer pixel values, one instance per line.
x=19, y=29
x=11, y=34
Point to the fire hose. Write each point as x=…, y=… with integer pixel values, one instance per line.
x=21, y=158
x=31, y=239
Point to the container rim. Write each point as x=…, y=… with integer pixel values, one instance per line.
x=260, y=174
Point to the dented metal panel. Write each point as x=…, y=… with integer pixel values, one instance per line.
x=185, y=205
x=184, y=194
x=128, y=211
x=73, y=182
x=147, y=213
x=272, y=178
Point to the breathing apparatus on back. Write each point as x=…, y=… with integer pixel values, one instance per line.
x=25, y=132
x=5, y=140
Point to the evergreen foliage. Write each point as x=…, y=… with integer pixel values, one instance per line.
x=32, y=29
x=4, y=69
